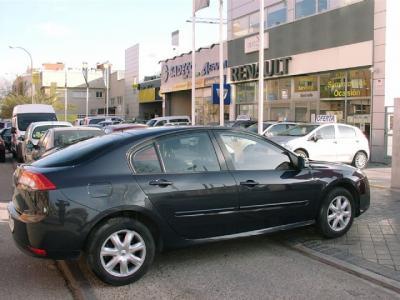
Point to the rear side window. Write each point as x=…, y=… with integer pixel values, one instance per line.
x=346, y=132
x=145, y=161
x=188, y=153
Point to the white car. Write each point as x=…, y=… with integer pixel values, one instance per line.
x=327, y=142
x=34, y=132
x=168, y=121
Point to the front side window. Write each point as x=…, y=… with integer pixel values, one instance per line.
x=276, y=14
x=277, y=129
x=145, y=161
x=250, y=153
x=188, y=153
x=327, y=132
x=346, y=132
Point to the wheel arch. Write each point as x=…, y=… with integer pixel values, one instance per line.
x=347, y=185
x=135, y=213
x=304, y=150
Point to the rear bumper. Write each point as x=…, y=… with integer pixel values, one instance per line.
x=29, y=236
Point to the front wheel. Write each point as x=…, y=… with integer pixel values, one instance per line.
x=120, y=251
x=337, y=213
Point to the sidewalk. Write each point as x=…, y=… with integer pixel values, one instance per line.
x=373, y=242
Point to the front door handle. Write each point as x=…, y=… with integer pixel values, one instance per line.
x=249, y=183
x=160, y=182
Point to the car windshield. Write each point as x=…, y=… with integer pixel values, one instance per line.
x=64, y=138
x=96, y=121
x=254, y=127
x=24, y=120
x=151, y=123
x=299, y=130
x=40, y=130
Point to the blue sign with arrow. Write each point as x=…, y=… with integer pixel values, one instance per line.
x=227, y=93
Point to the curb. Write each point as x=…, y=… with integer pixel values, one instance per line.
x=348, y=267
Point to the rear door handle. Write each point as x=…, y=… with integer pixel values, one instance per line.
x=160, y=182
x=249, y=183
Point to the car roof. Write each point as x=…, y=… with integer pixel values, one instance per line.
x=80, y=128
x=44, y=123
x=33, y=108
x=170, y=117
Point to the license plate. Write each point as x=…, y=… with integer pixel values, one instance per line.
x=11, y=223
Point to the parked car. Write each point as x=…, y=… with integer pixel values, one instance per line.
x=327, y=142
x=108, y=123
x=272, y=128
x=58, y=138
x=97, y=119
x=23, y=116
x=168, y=121
x=243, y=123
x=34, y=132
x=79, y=122
x=2, y=150
x=123, y=197
x=124, y=127
x=5, y=134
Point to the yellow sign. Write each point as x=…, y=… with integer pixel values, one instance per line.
x=36, y=77
x=147, y=95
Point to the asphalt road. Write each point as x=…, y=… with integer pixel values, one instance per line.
x=250, y=268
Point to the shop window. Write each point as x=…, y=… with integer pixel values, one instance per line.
x=240, y=27
x=276, y=14
x=359, y=84
x=278, y=89
x=333, y=85
x=246, y=92
x=305, y=84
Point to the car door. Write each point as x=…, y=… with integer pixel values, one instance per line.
x=323, y=144
x=347, y=143
x=186, y=179
x=272, y=191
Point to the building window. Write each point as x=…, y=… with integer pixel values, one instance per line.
x=119, y=100
x=246, y=92
x=278, y=89
x=276, y=14
x=99, y=94
x=254, y=20
x=112, y=101
x=306, y=8
x=305, y=84
x=240, y=27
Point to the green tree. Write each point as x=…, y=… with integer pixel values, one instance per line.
x=8, y=103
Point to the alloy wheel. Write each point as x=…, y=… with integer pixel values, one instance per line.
x=123, y=253
x=339, y=213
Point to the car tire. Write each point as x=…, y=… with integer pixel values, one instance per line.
x=360, y=160
x=109, y=256
x=301, y=153
x=336, y=214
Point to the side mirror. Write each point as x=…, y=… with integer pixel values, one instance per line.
x=316, y=137
x=302, y=163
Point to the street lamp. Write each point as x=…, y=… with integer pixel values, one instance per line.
x=85, y=76
x=30, y=57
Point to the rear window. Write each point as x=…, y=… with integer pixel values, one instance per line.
x=346, y=132
x=80, y=152
x=64, y=138
x=40, y=130
x=24, y=120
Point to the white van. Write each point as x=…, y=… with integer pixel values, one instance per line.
x=22, y=117
x=168, y=121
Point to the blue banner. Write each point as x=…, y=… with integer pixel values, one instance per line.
x=227, y=93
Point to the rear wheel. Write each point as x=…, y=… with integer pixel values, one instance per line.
x=337, y=213
x=360, y=160
x=301, y=153
x=120, y=251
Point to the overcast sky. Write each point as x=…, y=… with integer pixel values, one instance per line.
x=72, y=31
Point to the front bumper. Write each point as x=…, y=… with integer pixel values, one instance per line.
x=365, y=196
x=28, y=236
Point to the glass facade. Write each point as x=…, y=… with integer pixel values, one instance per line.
x=343, y=93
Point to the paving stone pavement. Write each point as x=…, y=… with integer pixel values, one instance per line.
x=373, y=242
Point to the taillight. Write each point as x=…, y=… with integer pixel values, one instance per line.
x=37, y=251
x=35, y=181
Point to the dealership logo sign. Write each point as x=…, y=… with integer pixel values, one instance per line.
x=273, y=67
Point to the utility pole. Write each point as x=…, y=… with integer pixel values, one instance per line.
x=221, y=67
x=261, y=71
x=85, y=76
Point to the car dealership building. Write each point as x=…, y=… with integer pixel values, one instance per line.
x=322, y=57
